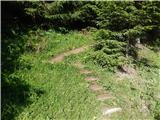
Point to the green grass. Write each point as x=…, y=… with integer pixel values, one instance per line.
x=57, y=43
x=64, y=92
x=59, y=91
x=133, y=94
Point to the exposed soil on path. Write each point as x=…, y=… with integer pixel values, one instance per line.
x=61, y=56
x=79, y=65
x=84, y=71
x=96, y=87
x=92, y=80
x=104, y=96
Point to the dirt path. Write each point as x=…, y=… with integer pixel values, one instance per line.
x=61, y=56
x=94, y=86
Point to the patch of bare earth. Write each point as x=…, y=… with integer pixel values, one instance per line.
x=76, y=51
x=104, y=96
x=90, y=79
x=96, y=87
x=61, y=56
x=58, y=58
x=84, y=71
x=79, y=65
x=126, y=71
x=144, y=108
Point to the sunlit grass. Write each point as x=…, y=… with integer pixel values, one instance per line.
x=66, y=94
x=60, y=91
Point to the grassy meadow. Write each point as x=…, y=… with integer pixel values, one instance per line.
x=80, y=60
x=59, y=91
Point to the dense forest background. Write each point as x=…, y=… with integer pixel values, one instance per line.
x=125, y=21
x=119, y=27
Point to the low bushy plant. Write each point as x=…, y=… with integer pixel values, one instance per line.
x=109, y=49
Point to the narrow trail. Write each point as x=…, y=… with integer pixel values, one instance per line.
x=94, y=86
x=61, y=56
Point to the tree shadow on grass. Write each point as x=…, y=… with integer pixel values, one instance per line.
x=15, y=96
x=16, y=93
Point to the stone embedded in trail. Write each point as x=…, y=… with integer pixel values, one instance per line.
x=107, y=111
x=83, y=71
x=91, y=78
x=103, y=97
x=96, y=87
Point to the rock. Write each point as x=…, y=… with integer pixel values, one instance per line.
x=108, y=112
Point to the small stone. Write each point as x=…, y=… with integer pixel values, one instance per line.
x=108, y=112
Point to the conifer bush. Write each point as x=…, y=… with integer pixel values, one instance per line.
x=110, y=49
